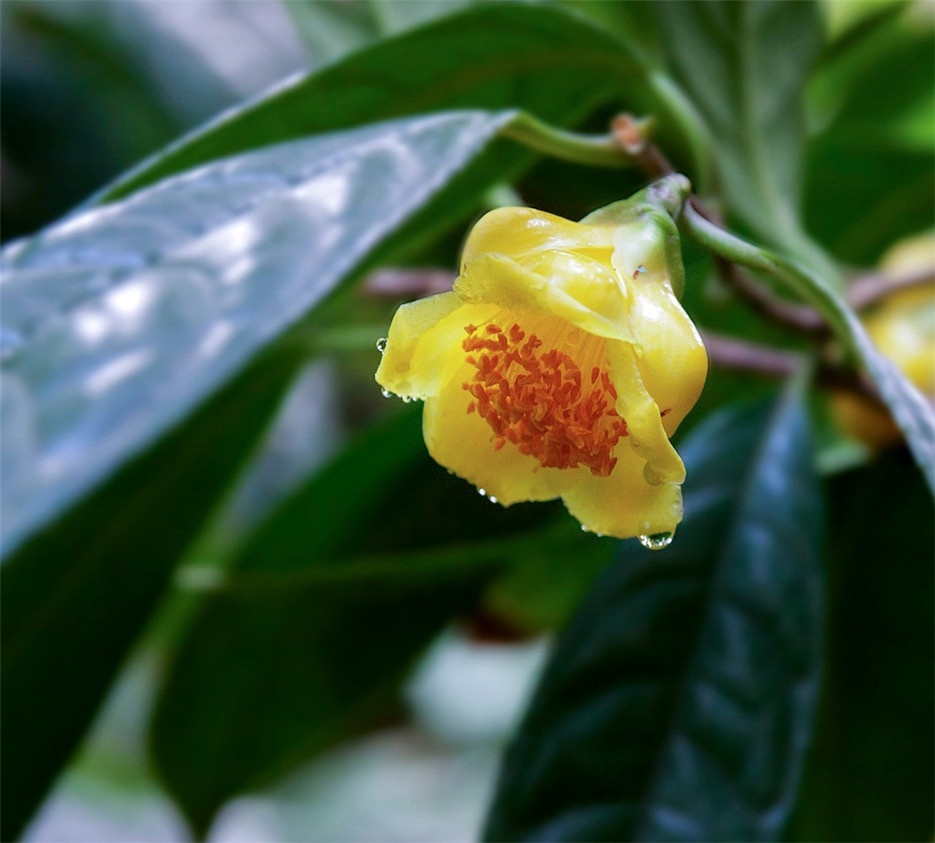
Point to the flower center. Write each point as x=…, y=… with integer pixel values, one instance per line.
x=541, y=402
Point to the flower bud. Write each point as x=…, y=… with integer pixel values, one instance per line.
x=902, y=327
x=560, y=364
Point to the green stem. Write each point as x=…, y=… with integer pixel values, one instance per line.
x=592, y=150
x=911, y=410
x=801, y=281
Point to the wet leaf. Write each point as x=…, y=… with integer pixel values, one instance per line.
x=678, y=703
x=119, y=321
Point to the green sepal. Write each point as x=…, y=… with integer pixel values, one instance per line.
x=650, y=215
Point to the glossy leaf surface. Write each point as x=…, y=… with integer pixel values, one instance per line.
x=679, y=702
x=119, y=321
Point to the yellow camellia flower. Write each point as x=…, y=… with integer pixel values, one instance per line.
x=902, y=327
x=560, y=364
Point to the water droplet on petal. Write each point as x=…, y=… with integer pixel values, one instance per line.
x=584, y=529
x=491, y=498
x=381, y=344
x=657, y=541
x=386, y=393
x=482, y=493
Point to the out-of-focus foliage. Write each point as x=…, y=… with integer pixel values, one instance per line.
x=191, y=244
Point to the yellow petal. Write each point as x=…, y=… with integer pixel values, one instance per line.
x=576, y=288
x=671, y=355
x=464, y=444
x=648, y=436
x=519, y=231
x=624, y=504
x=903, y=328
x=424, y=344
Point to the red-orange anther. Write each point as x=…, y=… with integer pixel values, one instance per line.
x=538, y=401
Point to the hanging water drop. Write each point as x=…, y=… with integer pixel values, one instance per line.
x=584, y=529
x=381, y=345
x=491, y=498
x=386, y=393
x=482, y=493
x=657, y=541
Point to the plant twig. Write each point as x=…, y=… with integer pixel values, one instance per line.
x=743, y=356
x=753, y=358
x=653, y=162
x=630, y=137
x=867, y=290
x=797, y=317
x=405, y=282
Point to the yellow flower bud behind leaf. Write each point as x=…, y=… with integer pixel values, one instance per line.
x=559, y=366
x=902, y=327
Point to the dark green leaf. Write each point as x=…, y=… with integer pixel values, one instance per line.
x=310, y=635
x=553, y=64
x=540, y=591
x=862, y=22
x=629, y=21
x=63, y=80
x=871, y=173
x=119, y=321
x=678, y=704
x=744, y=64
x=271, y=676
x=76, y=596
x=871, y=774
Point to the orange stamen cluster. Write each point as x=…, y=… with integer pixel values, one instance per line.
x=541, y=403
